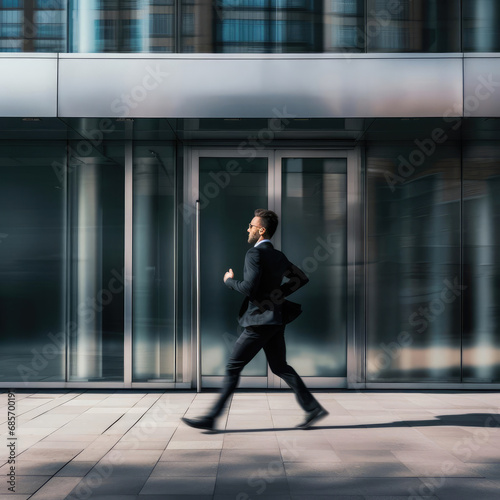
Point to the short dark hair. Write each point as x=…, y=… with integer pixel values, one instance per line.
x=269, y=220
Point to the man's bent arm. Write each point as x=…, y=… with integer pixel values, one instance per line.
x=251, y=275
x=296, y=279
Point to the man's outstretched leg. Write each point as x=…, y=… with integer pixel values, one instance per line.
x=275, y=350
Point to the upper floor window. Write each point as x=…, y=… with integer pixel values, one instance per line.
x=412, y=26
x=481, y=26
x=243, y=26
x=24, y=24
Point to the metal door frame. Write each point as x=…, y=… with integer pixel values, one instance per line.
x=355, y=329
x=193, y=185
x=353, y=245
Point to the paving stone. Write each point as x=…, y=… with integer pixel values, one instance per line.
x=34, y=467
x=274, y=496
x=194, y=445
x=180, y=485
x=353, y=486
x=268, y=470
x=335, y=497
x=252, y=486
x=14, y=496
x=76, y=469
x=57, y=487
x=453, y=488
x=25, y=484
x=98, y=484
x=186, y=469
x=316, y=469
x=249, y=456
x=190, y=455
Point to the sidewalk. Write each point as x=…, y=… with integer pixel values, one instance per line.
x=131, y=445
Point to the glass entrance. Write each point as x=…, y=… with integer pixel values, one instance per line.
x=308, y=190
x=314, y=236
x=230, y=189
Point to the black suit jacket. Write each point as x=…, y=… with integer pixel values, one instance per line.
x=268, y=277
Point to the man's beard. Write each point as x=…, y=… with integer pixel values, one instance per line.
x=252, y=239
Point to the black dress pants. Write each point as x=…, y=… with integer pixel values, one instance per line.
x=270, y=338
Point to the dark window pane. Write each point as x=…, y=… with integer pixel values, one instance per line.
x=33, y=262
x=258, y=26
x=236, y=204
x=413, y=26
x=50, y=4
x=481, y=219
x=481, y=26
x=96, y=195
x=11, y=4
x=314, y=200
x=413, y=229
x=154, y=347
x=162, y=25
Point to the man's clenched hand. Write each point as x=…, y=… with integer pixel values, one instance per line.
x=229, y=274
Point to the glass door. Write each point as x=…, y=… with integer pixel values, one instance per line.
x=308, y=190
x=314, y=236
x=230, y=188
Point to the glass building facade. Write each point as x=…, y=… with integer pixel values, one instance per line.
x=249, y=26
x=138, y=136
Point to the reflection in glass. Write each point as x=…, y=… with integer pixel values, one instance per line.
x=258, y=26
x=271, y=26
x=481, y=26
x=96, y=183
x=481, y=352
x=230, y=191
x=250, y=26
x=314, y=237
x=413, y=264
x=198, y=18
x=33, y=26
x=154, y=263
x=344, y=26
x=32, y=262
x=413, y=26
x=268, y=26
x=122, y=26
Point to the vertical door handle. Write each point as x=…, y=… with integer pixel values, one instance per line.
x=198, y=310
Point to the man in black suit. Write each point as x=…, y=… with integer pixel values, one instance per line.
x=263, y=316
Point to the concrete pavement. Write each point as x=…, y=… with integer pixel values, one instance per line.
x=131, y=445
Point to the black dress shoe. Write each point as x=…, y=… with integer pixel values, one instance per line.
x=312, y=417
x=206, y=423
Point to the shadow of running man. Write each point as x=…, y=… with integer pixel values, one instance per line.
x=463, y=420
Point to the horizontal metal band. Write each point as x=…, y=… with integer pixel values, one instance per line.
x=482, y=86
x=259, y=88
x=241, y=86
x=28, y=87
